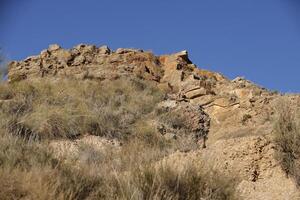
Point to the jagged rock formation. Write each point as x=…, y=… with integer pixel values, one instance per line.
x=239, y=111
x=87, y=61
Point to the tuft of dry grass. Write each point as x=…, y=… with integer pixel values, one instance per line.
x=287, y=137
x=165, y=182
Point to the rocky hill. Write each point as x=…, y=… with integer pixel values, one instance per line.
x=228, y=124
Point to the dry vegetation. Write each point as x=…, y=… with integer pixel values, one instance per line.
x=3, y=67
x=287, y=137
x=34, y=113
x=67, y=109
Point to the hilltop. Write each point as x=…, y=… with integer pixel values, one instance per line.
x=136, y=111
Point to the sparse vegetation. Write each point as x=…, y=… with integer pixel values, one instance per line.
x=68, y=109
x=287, y=137
x=30, y=171
x=32, y=114
x=3, y=67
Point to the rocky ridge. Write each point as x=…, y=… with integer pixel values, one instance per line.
x=239, y=140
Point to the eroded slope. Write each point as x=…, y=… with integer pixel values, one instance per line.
x=241, y=113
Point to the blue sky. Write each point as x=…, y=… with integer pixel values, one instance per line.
x=257, y=39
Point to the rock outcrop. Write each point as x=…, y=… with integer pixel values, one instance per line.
x=184, y=115
x=237, y=112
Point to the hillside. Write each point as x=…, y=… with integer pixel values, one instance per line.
x=92, y=123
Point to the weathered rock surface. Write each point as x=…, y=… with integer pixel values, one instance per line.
x=239, y=112
x=191, y=116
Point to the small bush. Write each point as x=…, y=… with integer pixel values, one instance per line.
x=246, y=118
x=287, y=137
x=174, y=119
x=149, y=136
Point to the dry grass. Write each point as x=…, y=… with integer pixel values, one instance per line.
x=68, y=109
x=287, y=137
x=29, y=170
x=32, y=114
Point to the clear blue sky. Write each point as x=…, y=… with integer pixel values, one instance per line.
x=257, y=39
